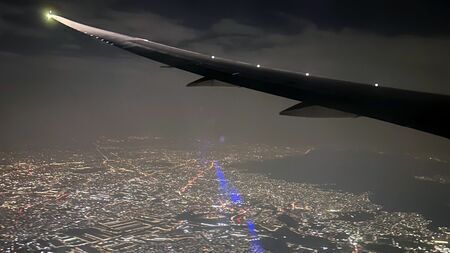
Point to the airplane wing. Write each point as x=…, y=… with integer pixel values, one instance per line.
x=317, y=96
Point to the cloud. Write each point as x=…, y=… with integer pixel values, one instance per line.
x=14, y=20
x=6, y=55
x=231, y=27
x=145, y=25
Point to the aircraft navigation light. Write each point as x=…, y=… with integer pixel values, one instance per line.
x=49, y=15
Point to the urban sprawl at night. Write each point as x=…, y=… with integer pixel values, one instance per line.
x=140, y=194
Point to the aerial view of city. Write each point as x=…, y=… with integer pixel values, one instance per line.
x=144, y=194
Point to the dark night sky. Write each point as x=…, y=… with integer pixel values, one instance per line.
x=59, y=87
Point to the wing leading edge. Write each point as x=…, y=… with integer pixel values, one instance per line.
x=320, y=97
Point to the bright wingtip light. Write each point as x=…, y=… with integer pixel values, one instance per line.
x=49, y=15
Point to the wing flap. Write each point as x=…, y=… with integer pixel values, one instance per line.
x=208, y=82
x=315, y=111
